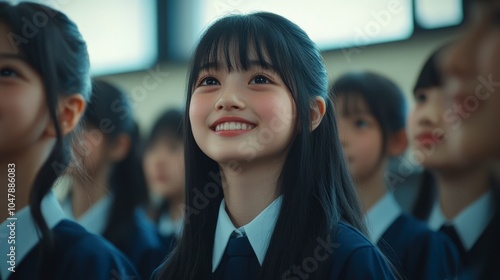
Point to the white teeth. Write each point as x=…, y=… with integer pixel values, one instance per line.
x=233, y=126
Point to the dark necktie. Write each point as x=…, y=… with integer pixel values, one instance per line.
x=452, y=234
x=242, y=262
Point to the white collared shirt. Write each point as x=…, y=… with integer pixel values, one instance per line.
x=381, y=216
x=26, y=232
x=167, y=226
x=258, y=231
x=95, y=218
x=470, y=223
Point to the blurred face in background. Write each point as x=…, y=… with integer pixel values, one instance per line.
x=164, y=167
x=361, y=137
x=428, y=129
x=472, y=81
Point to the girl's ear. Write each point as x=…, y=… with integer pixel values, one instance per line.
x=318, y=109
x=71, y=109
x=397, y=143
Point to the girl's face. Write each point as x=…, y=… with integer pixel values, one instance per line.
x=164, y=167
x=472, y=75
x=428, y=131
x=23, y=111
x=361, y=137
x=242, y=116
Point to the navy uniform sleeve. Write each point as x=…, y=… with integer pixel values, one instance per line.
x=434, y=257
x=418, y=252
x=356, y=258
x=94, y=258
x=364, y=264
x=144, y=248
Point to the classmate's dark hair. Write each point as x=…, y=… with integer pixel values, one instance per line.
x=314, y=181
x=58, y=53
x=384, y=99
x=111, y=112
x=429, y=77
x=169, y=124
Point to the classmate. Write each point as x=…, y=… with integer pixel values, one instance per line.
x=472, y=80
x=44, y=84
x=371, y=117
x=459, y=197
x=268, y=194
x=110, y=156
x=472, y=76
x=163, y=165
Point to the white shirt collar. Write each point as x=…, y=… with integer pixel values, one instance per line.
x=258, y=231
x=381, y=216
x=26, y=232
x=95, y=218
x=167, y=226
x=470, y=223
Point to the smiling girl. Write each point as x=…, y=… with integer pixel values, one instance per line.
x=268, y=195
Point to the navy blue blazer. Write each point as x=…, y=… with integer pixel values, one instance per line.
x=143, y=247
x=355, y=257
x=417, y=252
x=482, y=261
x=352, y=257
x=79, y=255
x=349, y=253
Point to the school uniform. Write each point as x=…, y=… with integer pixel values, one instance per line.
x=415, y=250
x=143, y=247
x=353, y=256
x=78, y=254
x=169, y=230
x=474, y=232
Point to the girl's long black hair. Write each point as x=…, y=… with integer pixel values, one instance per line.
x=315, y=184
x=58, y=53
x=110, y=111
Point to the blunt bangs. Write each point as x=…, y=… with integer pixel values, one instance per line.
x=237, y=44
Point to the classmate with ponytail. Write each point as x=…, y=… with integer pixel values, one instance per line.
x=44, y=88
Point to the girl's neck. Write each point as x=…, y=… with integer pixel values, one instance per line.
x=371, y=189
x=459, y=188
x=27, y=165
x=249, y=189
x=84, y=194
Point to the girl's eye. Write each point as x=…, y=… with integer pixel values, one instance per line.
x=361, y=123
x=8, y=72
x=420, y=97
x=260, y=80
x=209, y=81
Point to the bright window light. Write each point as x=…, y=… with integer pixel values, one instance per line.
x=120, y=34
x=432, y=14
x=330, y=23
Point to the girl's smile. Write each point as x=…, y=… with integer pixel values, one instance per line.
x=234, y=114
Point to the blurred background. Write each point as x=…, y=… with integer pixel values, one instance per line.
x=144, y=46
